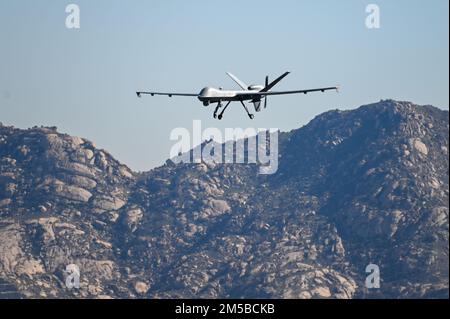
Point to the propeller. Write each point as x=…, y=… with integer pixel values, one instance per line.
x=265, y=98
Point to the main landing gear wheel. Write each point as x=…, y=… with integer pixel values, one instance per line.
x=220, y=116
x=251, y=116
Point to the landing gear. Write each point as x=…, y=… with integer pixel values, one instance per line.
x=221, y=113
x=219, y=105
x=251, y=116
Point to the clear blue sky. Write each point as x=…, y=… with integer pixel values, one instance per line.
x=83, y=81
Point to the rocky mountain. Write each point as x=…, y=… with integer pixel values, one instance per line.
x=353, y=188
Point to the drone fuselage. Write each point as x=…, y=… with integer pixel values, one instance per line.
x=211, y=95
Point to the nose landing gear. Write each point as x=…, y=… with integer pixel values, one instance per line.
x=219, y=105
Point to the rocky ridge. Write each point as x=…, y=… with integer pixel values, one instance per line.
x=353, y=188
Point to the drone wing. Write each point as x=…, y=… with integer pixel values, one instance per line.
x=167, y=94
x=261, y=93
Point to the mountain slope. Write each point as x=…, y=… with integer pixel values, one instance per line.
x=367, y=186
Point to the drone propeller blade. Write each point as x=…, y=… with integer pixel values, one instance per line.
x=275, y=82
x=265, y=98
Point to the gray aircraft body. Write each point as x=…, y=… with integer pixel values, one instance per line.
x=253, y=93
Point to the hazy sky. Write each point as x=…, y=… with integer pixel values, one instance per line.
x=83, y=81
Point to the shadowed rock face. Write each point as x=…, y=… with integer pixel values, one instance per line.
x=367, y=186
